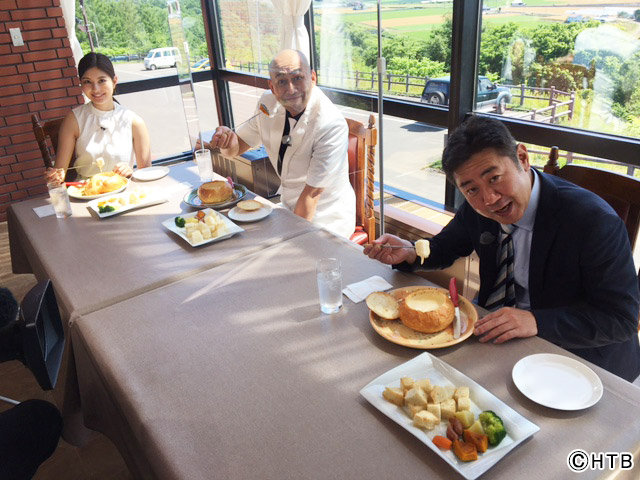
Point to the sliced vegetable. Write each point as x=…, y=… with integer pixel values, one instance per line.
x=179, y=222
x=477, y=427
x=481, y=441
x=466, y=452
x=442, y=442
x=466, y=418
x=493, y=427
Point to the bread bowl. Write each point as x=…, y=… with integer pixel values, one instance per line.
x=215, y=192
x=426, y=310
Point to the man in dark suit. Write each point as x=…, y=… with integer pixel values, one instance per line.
x=573, y=277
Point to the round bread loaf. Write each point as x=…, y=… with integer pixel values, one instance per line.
x=384, y=305
x=427, y=310
x=215, y=192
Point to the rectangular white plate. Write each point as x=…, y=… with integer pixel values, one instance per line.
x=440, y=373
x=151, y=199
x=232, y=228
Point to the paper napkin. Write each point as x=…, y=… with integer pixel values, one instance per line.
x=44, y=211
x=358, y=291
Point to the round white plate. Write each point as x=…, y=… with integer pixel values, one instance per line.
x=253, y=216
x=75, y=192
x=557, y=382
x=150, y=173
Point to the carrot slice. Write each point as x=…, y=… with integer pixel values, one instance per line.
x=442, y=442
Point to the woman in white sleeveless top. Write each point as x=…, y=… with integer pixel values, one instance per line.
x=101, y=128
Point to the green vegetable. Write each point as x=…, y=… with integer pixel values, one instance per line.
x=179, y=222
x=493, y=427
x=106, y=208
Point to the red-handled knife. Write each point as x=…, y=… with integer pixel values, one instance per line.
x=453, y=292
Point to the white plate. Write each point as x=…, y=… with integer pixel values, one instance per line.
x=152, y=198
x=240, y=215
x=232, y=228
x=76, y=193
x=440, y=373
x=557, y=381
x=150, y=173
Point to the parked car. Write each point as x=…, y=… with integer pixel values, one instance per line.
x=201, y=65
x=436, y=92
x=162, y=57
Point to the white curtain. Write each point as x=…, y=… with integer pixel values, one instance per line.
x=69, y=14
x=294, y=34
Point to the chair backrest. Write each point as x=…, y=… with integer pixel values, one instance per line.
x=49, y=131
x=362, y=146
x=620, y=191
x=43, y=131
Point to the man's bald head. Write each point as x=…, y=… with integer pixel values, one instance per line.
x=291, y=80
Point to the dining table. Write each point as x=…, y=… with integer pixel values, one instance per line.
x=235, y=373
x=94, y=262
x=216, y=361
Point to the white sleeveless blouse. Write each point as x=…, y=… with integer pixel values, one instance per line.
x=103, y=134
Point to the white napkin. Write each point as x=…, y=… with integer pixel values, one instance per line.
x=358, y=291
x=44, y=211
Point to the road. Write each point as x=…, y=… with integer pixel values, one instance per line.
x=408, y=146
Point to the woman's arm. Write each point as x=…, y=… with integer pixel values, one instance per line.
x=141, y=143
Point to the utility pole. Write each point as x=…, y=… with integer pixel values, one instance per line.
x=86, y=24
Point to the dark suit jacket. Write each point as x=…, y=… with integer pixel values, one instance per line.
x=583, y=285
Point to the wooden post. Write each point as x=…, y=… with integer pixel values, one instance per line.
x=357, y=78
x=389, y=75
x=552, y=92
x=552, y=163
x=521, y=94
x=373, y=75
x=406, y=90
x=569, y=157
x=553, y=114
x=572, y=105
x=533, y=114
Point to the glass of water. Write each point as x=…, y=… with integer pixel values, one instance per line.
x=329, y=277
x=205, y=166
x=59, y=199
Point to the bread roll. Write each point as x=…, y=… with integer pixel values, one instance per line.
x=426, y=310
x=384, y=305
x=249, y=205
x=215, y=192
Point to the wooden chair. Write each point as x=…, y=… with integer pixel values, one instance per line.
x=620, y=191
x=362, y=148
x=49, y=131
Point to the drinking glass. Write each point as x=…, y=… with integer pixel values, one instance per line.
x=329, y=277
x=59, y=199
x=205, y=165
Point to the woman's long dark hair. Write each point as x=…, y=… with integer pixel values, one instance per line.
x=99, y=61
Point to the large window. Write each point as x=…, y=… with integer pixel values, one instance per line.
x=567, y=64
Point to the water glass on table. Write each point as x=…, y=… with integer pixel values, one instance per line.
x=205, y=166
x=329, y=277
x=59, y=199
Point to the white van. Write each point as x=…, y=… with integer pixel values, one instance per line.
x=162, y=57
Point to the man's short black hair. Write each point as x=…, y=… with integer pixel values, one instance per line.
x=473, y=136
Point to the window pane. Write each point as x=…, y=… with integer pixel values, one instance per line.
x=577, y=68
x=416, y=44
x=250, y=34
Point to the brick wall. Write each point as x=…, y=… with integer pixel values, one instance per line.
x=39, y=77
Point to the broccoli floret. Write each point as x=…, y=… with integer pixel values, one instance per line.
x=106, y=209
x=493, y=427
x=179, y=222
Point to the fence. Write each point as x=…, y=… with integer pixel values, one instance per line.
x=550, y=113
x=570, y=156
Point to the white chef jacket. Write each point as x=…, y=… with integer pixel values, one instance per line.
x=317, y=156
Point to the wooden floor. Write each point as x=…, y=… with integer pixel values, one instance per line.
x=99, y=459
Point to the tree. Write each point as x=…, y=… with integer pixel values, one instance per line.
x=438, y=47
x=494, y=47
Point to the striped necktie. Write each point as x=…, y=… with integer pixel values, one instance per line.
x=504, y=291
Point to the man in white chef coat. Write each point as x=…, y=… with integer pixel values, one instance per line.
x=306, y=138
